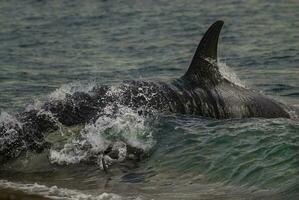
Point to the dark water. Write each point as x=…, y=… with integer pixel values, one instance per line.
x=62, y=46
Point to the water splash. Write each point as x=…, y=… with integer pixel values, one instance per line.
x=8, y=133
x=125, y=127
x=7, y=120
x=230, y=75
x=69, y=89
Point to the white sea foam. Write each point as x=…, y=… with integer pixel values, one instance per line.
x=114, y=90
x=60, y=93
x=9, y=134
x=8, y=120
x=36, y=105
x=70, y=154
x=293, y=114
x=117, y=123
x=55, y=192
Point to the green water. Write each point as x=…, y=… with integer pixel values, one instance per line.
x=53, y=45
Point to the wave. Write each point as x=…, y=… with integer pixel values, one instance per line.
x=55, y=192
x=125, y=127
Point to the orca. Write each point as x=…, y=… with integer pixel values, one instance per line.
x=201, y=91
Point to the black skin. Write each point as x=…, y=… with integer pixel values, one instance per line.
x=221, y=101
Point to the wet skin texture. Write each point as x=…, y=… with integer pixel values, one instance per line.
x=201, y=91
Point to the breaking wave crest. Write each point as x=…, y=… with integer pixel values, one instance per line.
x=8, y=132
x=60, y=93
x=117, y=127
x=7, y=120
x=56, y=192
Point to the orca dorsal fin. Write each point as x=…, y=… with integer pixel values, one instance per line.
x=203, y=67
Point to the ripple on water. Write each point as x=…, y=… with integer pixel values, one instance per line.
x=46, y=44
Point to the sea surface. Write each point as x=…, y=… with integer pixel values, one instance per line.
x=49, y=48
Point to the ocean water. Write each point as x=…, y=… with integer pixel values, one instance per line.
x=51, y=48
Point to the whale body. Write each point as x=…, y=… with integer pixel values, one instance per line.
x=201, y=91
